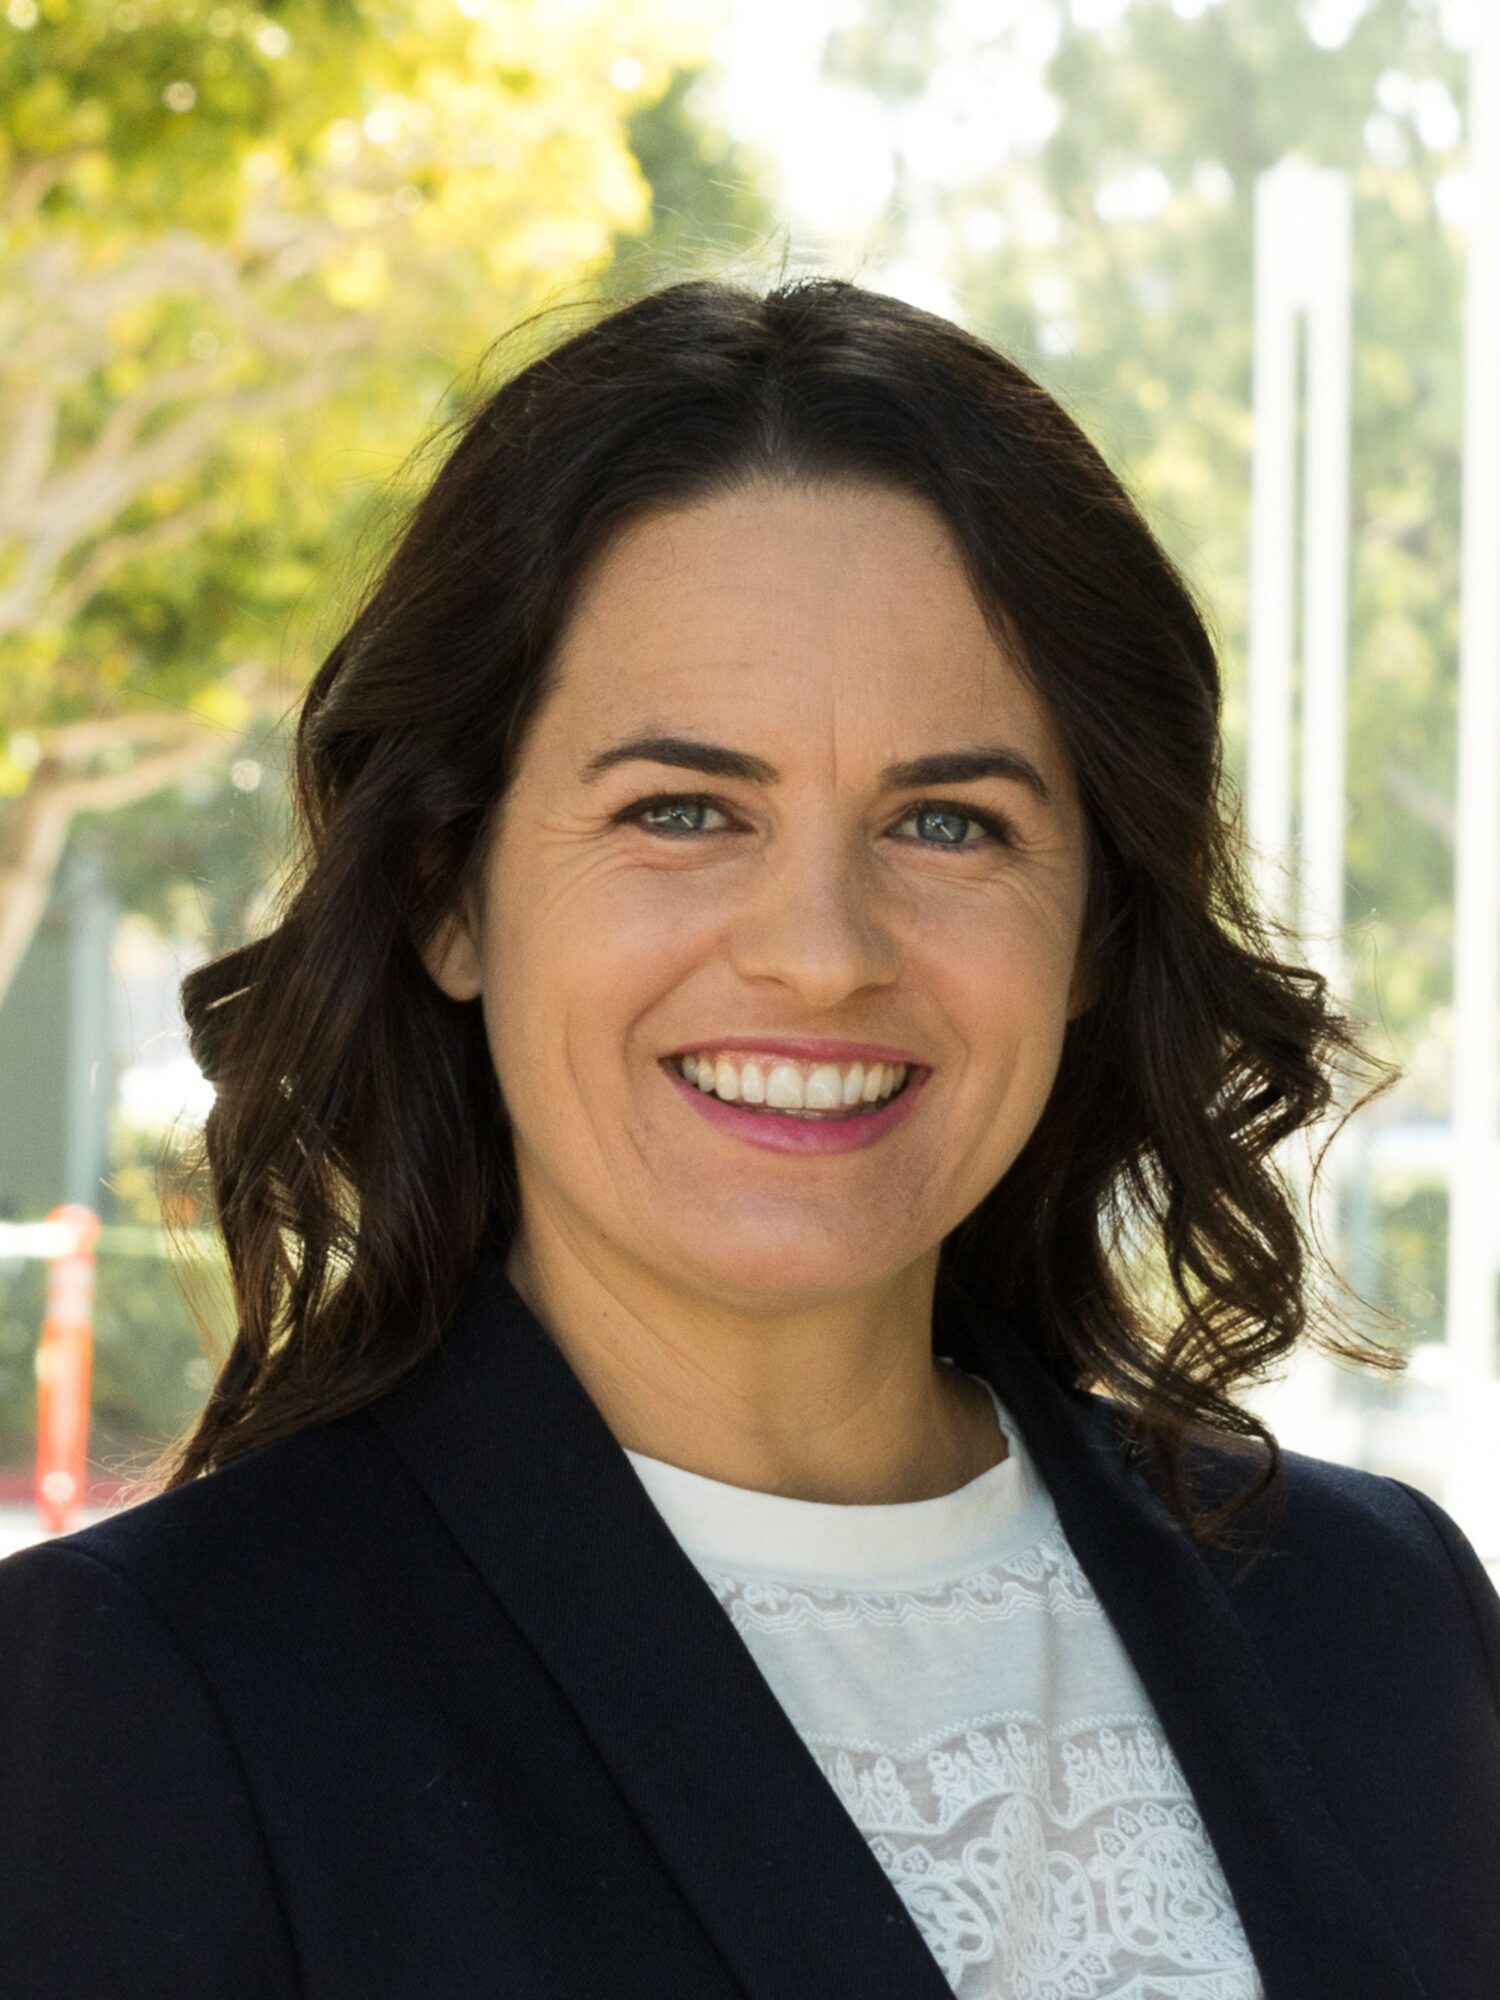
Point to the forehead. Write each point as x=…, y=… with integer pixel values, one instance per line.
x=839, y=606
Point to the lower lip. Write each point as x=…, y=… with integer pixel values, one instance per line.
x=799, y=1135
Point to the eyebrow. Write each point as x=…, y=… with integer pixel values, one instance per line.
x=939, y=767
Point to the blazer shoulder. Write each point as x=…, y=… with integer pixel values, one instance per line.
x=1320, y=1495
x=277, y=1503
x=1360, y=1512
x=1346, y=1531
x=1399, y=1522
x=1473, y=1578
x=124, y=1800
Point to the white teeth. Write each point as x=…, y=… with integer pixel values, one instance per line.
x=824, y=1089
x=786, y=1086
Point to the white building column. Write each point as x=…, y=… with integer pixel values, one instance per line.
x=1302, y=276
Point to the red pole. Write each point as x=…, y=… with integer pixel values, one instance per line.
x=64, y=1362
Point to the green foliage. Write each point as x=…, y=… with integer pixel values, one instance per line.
x=244, y=257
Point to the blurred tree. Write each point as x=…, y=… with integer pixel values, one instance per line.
x=244, y=255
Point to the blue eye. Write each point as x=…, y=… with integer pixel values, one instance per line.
x=993, y=827
x=636, y=814
x=683, y=804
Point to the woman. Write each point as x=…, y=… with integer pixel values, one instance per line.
x=696, y=1504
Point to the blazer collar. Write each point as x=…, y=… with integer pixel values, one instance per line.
x=532, y=1484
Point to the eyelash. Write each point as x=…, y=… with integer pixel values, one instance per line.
x=996, y=829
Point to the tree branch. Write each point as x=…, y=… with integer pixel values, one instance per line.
x=32, y=421
x=120, y=429
x=95, y=491
x=30, y=181
x=34, y=841
x=66, y=600
x=36, y=832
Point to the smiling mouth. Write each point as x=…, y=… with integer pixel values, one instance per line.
x=838, y=1116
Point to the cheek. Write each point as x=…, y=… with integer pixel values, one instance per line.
x=1006, y=965
x=1001, y=985
x=575, y=960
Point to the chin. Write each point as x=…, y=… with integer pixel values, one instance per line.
x=782, y=1272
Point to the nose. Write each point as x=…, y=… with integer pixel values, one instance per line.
x=811, y=919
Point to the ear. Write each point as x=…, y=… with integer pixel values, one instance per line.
x=452, y=958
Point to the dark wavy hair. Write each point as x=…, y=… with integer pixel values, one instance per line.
x=358, y=1145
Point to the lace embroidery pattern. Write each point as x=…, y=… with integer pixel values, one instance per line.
x=1069, y=1776
x=1068, y=1863
x=1093, y=1879
x=1044, y=1577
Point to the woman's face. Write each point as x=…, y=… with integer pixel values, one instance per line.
x=821, y=638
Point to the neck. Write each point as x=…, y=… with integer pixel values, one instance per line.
x=844, y=1405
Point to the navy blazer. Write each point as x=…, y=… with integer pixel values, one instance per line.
x=427, y=1702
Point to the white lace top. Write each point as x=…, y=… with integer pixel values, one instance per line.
x=963, y=1691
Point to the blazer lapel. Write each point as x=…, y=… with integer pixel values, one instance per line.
x=532, y=1484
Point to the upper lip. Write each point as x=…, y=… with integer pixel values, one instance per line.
x=806, y=1048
